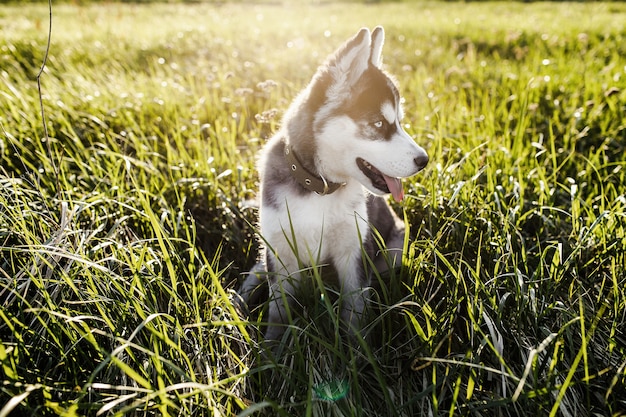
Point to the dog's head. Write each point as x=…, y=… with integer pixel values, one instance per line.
x=356, y=110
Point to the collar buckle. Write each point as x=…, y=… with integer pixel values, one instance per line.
x=307, y=179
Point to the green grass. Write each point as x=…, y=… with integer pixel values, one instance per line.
x=123, y=234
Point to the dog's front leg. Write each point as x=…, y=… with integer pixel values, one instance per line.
x=281, y=299
x=353, y=291
x=281, y=296
x=254, y=279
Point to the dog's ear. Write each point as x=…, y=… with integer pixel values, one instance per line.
x=378, y=39
x=351, y=59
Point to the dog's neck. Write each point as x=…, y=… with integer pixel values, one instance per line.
x=307, y=179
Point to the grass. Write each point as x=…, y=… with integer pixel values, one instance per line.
x=123, y=234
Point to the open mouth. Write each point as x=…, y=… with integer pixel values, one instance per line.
x=381, y=181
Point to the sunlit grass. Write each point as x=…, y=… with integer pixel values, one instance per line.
x=122, y=237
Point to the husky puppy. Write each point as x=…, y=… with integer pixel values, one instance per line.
x=341, y=148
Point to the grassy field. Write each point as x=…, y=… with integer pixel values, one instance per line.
x=124, y=232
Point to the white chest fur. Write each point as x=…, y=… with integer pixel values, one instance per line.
x=318, y=229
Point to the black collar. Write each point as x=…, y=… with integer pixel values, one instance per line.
x=307, y=179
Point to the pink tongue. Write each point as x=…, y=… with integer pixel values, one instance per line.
x=395, y=187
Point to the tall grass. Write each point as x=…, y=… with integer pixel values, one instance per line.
x=123, y=235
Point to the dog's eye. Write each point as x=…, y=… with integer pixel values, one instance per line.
x=378, y=124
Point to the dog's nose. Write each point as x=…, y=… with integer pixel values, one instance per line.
x=421, y=161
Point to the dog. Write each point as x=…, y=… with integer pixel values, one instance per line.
x=323, y=176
